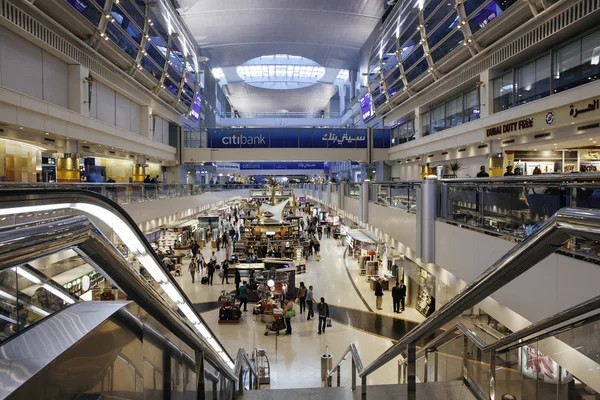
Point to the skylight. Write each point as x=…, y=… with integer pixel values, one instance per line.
x=343, y=75
x=281, y=71
x=218, y=73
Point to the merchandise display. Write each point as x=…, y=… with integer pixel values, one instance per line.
x=426, y=300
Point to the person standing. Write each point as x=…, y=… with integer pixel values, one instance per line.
x=509, y=171
x=379, y=294
x=288, y=309
x=195, y=248
x=244, y=296
x=218, y=240
x=323, y=309
x=201, y=261
x=225, y=277
x=213, y=258
x=237, y=279
x=402, y=294
x=396, y=297
x=192, y=268
x=302, y=297
x=309, y=303
x=482, y=173
x=211, y=272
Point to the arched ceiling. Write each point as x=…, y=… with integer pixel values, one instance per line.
x=330, y=32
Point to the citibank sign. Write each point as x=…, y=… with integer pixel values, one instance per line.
x=238, y=139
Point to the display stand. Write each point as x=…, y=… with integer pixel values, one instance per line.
x=426, y=300
x=229, y=312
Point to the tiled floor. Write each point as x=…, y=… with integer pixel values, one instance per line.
x=295, y=360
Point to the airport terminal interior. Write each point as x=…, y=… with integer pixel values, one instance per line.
x=309, y=199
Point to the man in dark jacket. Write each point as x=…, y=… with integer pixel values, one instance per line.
x=211, y=272
x=396, y=297
x=402, y=294
x=378, y=294
x=323, y=309
x=225, y=272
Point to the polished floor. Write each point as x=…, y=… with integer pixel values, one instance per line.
x=295, y=360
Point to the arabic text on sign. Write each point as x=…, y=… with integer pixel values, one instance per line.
x=593, y=106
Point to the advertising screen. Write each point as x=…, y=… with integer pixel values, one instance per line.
x=366, y=108
x=78, y=5
x=195, y=111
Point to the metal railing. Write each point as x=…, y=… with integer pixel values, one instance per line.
x=401, y=195
x=564, y=225
x=124, y=193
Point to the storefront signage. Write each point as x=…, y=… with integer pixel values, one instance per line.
x=510, y=127
x=578, y=112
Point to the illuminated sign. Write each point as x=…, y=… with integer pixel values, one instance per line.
x=195, y=111
x=366, y=108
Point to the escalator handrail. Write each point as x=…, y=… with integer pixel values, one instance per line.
x=31, y=241
x=17, y=198
x=564, y=225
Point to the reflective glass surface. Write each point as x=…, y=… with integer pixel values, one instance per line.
x=122, y=40
x=577, y=63
x=421, y=67
x=438, y=16
x=444, y=29
x=88, y=9
x=533, y=80
x=486, y=15
x=172, y=86
x=380, y=100
x=395, y=88
x=391, y=78
x=410, y=45
x=413, y=58
x=430, y=7
x=472, y=5
x=150, y=67
x=126, y=24
x=503, y=92
x=452, y=42
x=135, y=10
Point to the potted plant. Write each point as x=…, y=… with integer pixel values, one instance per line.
x=455, y=166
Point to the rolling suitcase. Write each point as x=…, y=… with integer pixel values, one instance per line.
x=204, y=280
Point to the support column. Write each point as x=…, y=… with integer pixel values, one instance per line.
x=428, y=207
x=200, y=389
x=146, y=128
x=411, y=371
x=364, y=201
x=80, y=98
x=341, y=194
x=486, y=94
x=417, y=123
x=320, y=189
x=329, y=190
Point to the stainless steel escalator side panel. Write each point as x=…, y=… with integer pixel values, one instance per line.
x=125, y=356
x=99, y=252
x=35, y=349
x=69, y=199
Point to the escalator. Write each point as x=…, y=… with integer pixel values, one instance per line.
x=78, y=321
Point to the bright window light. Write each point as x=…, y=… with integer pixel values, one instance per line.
x=343, y=74
x=187, y=310
x=58, y=293
x=218, y=73
x=38, y=311
x=7, y=296
x=27, y=275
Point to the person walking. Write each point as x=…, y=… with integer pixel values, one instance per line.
x=302, y=297
x=309, y=303
x=379, y=294
x=201, y=261
x=402, y=294
x=244, y=296
x=288, y=311
x=192, y=268
x=211, y=272
x=225, y=277
x=237, y=279
x=195, y=248
x=396, y=297
x=323, y=309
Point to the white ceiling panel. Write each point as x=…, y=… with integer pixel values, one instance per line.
x=330, y=32
x=251, y=99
